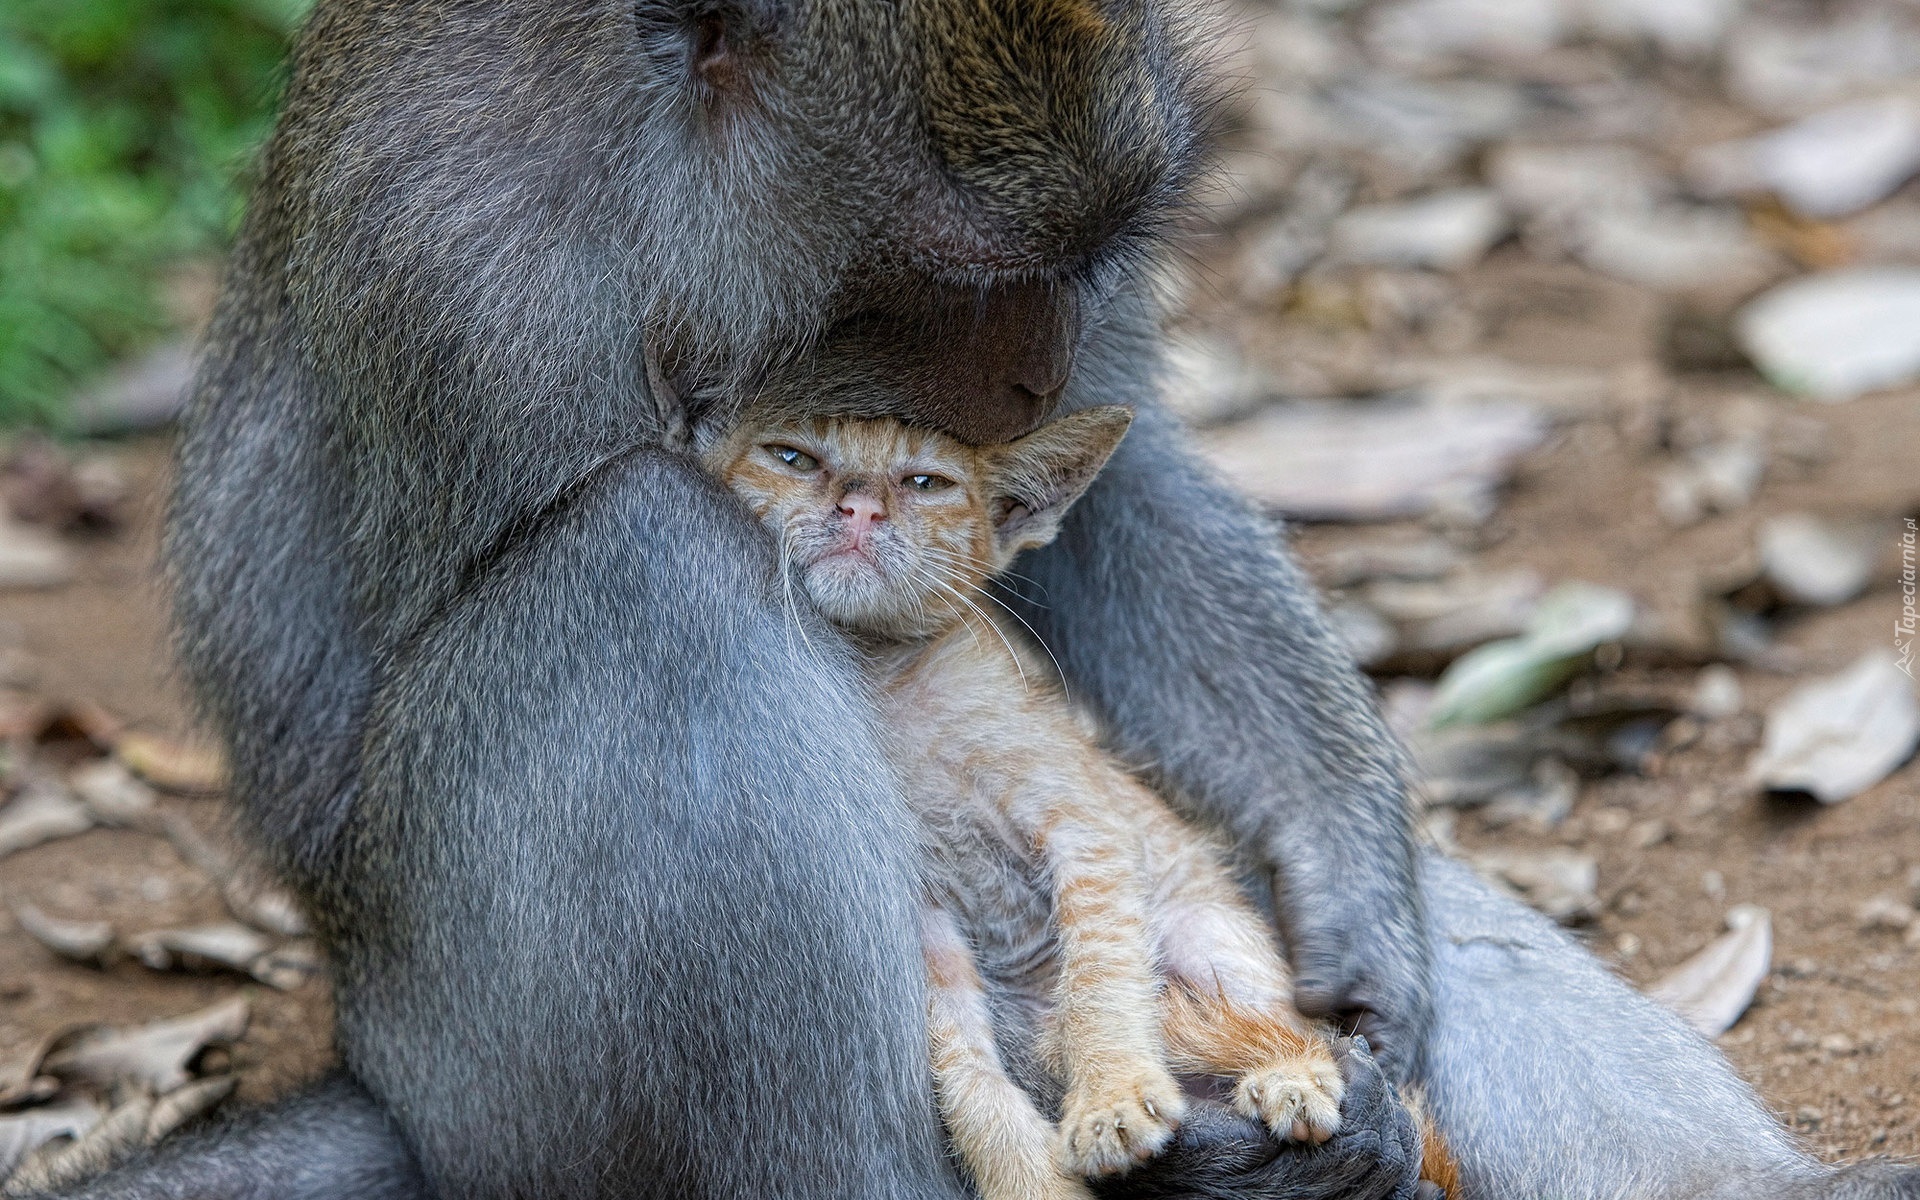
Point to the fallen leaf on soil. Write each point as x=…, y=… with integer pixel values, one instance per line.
x=224, y=947
x=1350, y=563
x=1501, y=678
x=1676, y=249
x=94, y=1151
x=1448, y=616
x=1837, y=737
x=1373, y=461
x=1710, y=990
x=1828, y=165
x=260, y=904
x=1838, y=335
x=140, y=1121
x=23, y=1133
x=114, y=795
x=1812, y=562
x=1560, y=883
x=82, y=720
x=87, y=942
x=1448, y=230
x=41, y=813
x=173, y=766
x=32, y=558
x=229, y=946
x=154, y=1056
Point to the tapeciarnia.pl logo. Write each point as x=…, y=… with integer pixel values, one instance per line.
x=1904, y=626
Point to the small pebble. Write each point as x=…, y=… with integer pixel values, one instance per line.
x=1610, y=822
x=1716, y=693
x=1648, y=834
x=1837, y=1044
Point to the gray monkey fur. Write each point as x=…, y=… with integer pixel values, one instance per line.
x=515, y=699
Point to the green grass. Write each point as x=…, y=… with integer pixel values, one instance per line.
x=125, y=127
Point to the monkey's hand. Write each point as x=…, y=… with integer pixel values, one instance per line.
x=1218, y=1152
x=1360, y=957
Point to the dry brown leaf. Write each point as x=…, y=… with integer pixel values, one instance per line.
x=229, y=946
x=1711, y=989
x=114, y=795
x=54, y=1166
x=154, y=1056
x=1560, y=883
x=173, y=766
x=1836, y=737
x=24, y=1133
x=42, y=813
x=89, y=942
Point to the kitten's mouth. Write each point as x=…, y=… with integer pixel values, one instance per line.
x=850, y=551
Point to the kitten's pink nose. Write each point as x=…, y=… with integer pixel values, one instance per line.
x=861, y=511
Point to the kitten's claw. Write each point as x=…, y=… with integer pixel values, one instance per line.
x=1105, y=1131
x=1298, y=1100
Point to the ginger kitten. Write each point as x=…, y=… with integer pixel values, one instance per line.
x=1147, y=957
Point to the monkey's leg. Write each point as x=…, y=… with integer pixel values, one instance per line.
x=629, y=905
x=1549, y=1077
x=1003, y=1139
x=1174, y=610
x=1121, y=1103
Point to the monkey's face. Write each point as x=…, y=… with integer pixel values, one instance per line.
x=897, y=531
x=944, y=191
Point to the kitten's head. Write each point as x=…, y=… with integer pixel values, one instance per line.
x=893, y=530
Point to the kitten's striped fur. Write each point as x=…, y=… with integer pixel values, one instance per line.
x=1120, y=920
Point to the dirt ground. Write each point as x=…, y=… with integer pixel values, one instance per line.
x=102, y=639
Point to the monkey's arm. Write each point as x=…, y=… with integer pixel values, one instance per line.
x=1175, y=611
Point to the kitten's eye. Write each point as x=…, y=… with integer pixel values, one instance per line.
x=799, y=460
x=929, y=483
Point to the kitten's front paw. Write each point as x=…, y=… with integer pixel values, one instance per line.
x=1298, y=1099
x=1108, y=1128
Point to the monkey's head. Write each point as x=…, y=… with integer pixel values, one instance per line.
x=942, y=197
x=896, y=531
x=945, y=194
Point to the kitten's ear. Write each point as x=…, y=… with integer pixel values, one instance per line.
x=1036, y=479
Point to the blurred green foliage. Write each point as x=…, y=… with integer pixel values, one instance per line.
x=124, y=127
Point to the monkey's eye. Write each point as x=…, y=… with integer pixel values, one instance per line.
x=929, y=483
x=799, y=460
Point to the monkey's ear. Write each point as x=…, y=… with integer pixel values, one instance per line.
x=1036, y=479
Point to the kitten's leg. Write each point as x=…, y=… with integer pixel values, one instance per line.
x=1004, y=1141
x=1122, y=1104
x=1228, y=1003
